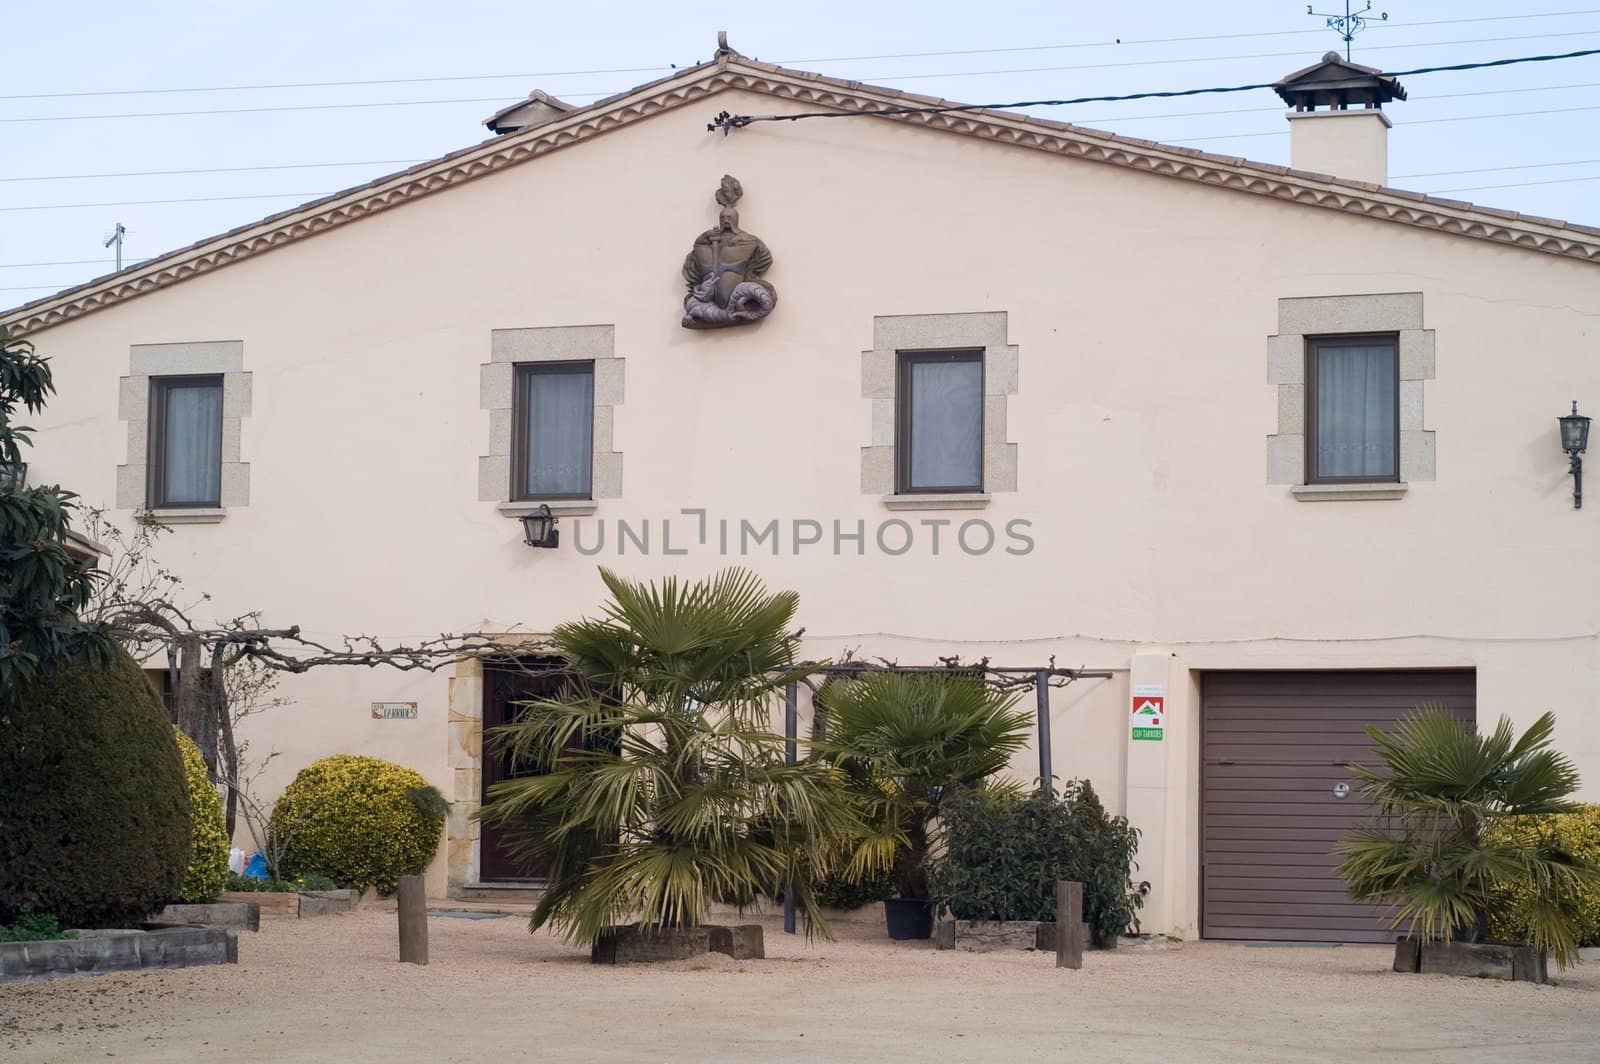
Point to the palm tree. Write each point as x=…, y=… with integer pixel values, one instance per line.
x=908, y=742
x=1456, y=826
x=661, y=788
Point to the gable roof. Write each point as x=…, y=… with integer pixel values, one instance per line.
x=729, y=70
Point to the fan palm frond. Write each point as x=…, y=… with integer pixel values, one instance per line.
x=1457, y=827
x=660, y=788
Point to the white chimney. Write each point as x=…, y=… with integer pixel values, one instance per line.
x=1349, y=137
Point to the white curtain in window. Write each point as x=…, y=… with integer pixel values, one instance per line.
x=1356, y=411
x=191, y=472
x=946, y=425
x=560, y=431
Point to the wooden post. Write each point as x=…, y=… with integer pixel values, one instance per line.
x=412, y=905
x=1069, y=924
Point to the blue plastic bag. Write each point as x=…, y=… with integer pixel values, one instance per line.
x=256, y=867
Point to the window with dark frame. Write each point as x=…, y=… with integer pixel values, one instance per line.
x=939, y=422
x=185, y=445
x=552, y=449
x=1352, y=409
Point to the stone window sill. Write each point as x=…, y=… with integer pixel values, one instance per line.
x=1348, y=492
x=199, y=515
x=558, y=507
x=938, y=501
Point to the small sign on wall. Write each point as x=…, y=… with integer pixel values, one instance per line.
x=394, y=711
x=1149, y=720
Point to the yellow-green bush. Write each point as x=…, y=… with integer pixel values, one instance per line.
x=207, y=873
x=360, y=821
x=1580, y=833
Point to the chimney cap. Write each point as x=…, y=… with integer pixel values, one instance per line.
x=540, y=107
x=1338, y=84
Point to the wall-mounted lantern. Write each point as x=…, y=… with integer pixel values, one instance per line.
x=1575, y=440
x=539, y=528
x=13, y=476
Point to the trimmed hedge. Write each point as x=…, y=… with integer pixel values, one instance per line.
x=94, y=811
x=360, y=821
x=1004, y=852
x=1577, y=833
x=207, y=874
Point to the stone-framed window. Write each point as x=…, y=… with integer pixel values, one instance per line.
x=898, y=340
x=498, y=389
x=150, y=367
x=1308, y=324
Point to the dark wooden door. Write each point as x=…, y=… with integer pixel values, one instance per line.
x=504, y=687
x=1275, y=745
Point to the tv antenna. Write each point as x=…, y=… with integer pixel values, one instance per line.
x=1348, y=24
x=116, y=237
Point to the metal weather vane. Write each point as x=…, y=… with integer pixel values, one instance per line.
x=1348, y=24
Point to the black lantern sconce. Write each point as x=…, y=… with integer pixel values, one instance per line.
x=539, y=528
x=13, y=476
x=1575, y=440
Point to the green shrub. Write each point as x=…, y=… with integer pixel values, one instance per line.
x=94, y=823
x=360, y=821
x=1576, y=833
x=208, y=831
x=835, y=891
x=1003, y=853
x=33, y=927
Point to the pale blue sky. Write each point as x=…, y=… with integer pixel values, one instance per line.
x=1017, y=50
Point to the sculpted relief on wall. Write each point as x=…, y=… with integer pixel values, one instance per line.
x=723, y=271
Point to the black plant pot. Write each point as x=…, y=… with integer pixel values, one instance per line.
x=908, y=918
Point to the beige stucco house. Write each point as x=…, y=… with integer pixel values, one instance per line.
x=1274, y=448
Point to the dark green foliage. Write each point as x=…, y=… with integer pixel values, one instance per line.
x=838, y=891
x=906, y=742
x=1004, y=852
x=252, y=885
x=662, y=788
x=42, y=588
x=429, y=802
x=94, y=807
x=1457, y=837
x=33, y=927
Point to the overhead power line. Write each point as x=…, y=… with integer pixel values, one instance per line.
x=1115, y=43
x=1498, y=169
x=1518, y=184
x=1175, y=140
x=1279, y=110
x=181, y=199
x=253, y=110
x=66, y=262
x=1200, y=59
x=1180, y=40
x=218, y=170
x=1418, y=122
x=879, y=77
x=1566, y=86
x=728, y=122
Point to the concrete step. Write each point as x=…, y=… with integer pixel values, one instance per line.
x=500, y=893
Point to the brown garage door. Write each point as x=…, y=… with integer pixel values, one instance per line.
x=1275, y=744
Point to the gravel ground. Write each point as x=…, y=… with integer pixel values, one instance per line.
x=329, y=989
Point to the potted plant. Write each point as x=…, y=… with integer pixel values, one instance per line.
x=661, y=787
x=908, y=742
x=1456, y=827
